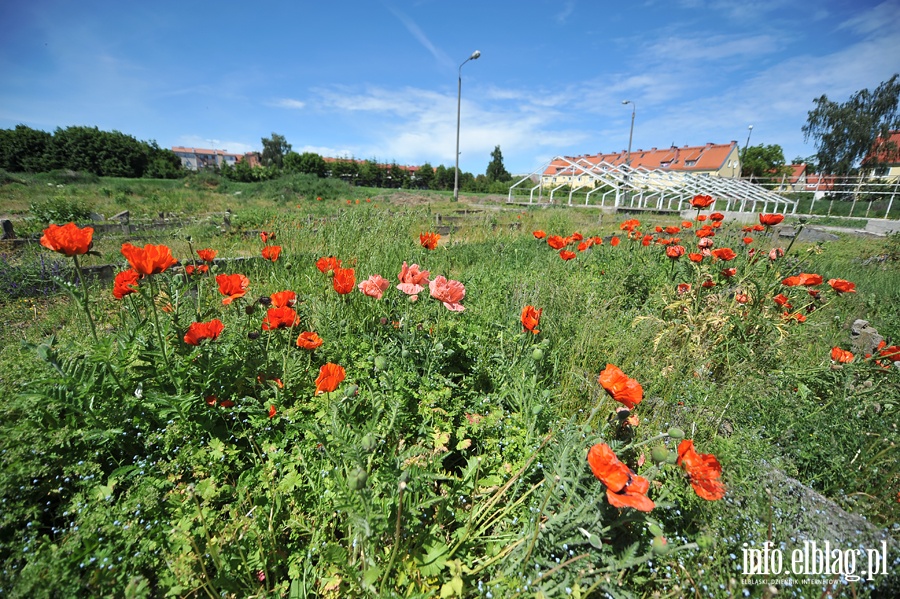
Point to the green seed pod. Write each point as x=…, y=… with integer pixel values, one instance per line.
x=655, y=530
x=672, y=458
x=659, y=454
x=404, y=354
x=659, y=545
x=357, y=478
x=369, y=442
x=676, y=433
x=537, y=355
x=350, y=390
x=380, y=362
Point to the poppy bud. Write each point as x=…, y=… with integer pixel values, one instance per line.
x=659, y=545
x=357, y=478
x=659, y=454
x=253, y=335
x=249, y=309
x=537, y=355
x=404, y=354
x=265, y=300
x=676, y=433
x=380, y=362
x=655, y=530
x=369, y=442
x=672, y=457
x=351, y=390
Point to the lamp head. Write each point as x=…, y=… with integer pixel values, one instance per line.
x=475, y=55
x=626, y=101
x=750, y=127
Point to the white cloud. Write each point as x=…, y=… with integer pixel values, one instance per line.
x=881, y=17
x=420, y=36
x=288, y=103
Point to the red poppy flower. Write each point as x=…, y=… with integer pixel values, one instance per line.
x=68, y=239
x=675, y=251
x=282, y=299
x=703, y=470
x=683, y=288
x=842, y=286
x=539, y=234
x=702, y=201
x=309, y=340
x=741, y=298
x=125, y=283
x=782, y=301
x=207, y=255
x=266, y=236
x=795, y=316
x=344, y=280
x=724, y=254
x=271, y=252
x=770, y=219
x=326, y=264
x=596, y=240
x=429, y=241
x=272, y=411
x=645, y=241
x=149, y=260
x=803, y=278
x=686, y=224
x=630, y=225
x=566, y=255
x=556, y=242
x=226, y=403
x=708, y=284
x=232, y=286
x=747, y=240
x=704, y=232
x=190, y=269
x=198, y=331
x=280, y=318
x=330, y=376
x=620, y=387
x=658, y=229
x=716, y=217
x=695, y=257
x=624, y=488
x=841, y=356
x=701, y=217
x=892, y=353
x=614, y=241
x=576, y=236
x=531, y=318
x=583, y=246
x=728, y=272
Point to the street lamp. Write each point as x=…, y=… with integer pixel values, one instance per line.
x=474, y=56
x=746, y=145
x=630, y=137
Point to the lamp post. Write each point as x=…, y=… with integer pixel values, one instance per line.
x=746, y=145
x=630, y=137
x=474, y=56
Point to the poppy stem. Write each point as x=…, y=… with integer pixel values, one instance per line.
x=84, y=302
x=794, y=238
x=162, y=345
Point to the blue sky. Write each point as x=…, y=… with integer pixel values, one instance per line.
x=373, y=79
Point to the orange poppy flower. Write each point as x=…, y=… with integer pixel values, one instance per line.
x=795, y=316
x=724, y=254
x=630, y=225
x=344, y=280
x=283, y=299
x=686, y=224
x=675, y=251
x=683, y=288
x=531, y=318
x=703, y=470
x=842, y=286
x=841, y=356
x=702, y=201
x=596, y=240
x=770, y=219
x=782, y=301
x=566, y=255
x=309, y=340
x=330, y=376
x=701, y=217
x=207, y=255
x=198, y=331
x=539, y=234
x=280, y=318
x=645, y=241
x=232, y=286
x=695, y=257
x=149, y=260
x=190, y=269
x=266, y=236
x=576, y=236
x=624, y=488
x=747, y=240
x=326, y=264
x=429, y=241
x=412, y=280
x=614, y=241
x=125, y=283
x=68, y=239
x=620, y=387
x=892, y=353
x=704, y=232
x=584, y=245
x=741, y=298
x=272, y=411
x=271, y=252
x=556, y=242
x=803, y=278
x=717, y=217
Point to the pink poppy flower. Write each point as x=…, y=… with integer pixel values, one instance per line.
x=449, y=292
x=412, y=280
x=374, y=286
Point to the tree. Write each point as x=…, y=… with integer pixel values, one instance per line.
x=763, y=161
x=307, y=162
x=425, y=176
x=495, y=170
x=274, y=150
x=845, y=134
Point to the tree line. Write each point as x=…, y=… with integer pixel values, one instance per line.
x=85, y=149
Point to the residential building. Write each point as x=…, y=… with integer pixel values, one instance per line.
x=712, y=160
x=196, y=159
x=888, y=154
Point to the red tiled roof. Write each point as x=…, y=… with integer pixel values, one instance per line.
x=710, y=157
x=203, y=151
x=886, y=151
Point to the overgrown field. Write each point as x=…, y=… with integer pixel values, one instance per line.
x=566, y=405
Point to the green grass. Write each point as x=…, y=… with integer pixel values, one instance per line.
x=451, y=461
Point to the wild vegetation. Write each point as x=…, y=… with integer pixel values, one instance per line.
x=339, y=394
